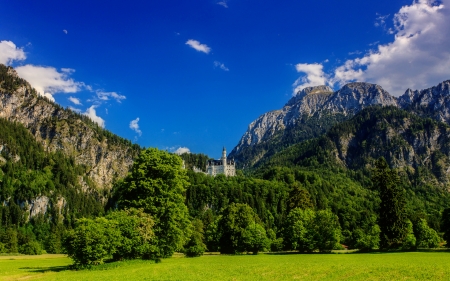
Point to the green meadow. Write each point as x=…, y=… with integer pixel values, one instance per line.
x=355, y=266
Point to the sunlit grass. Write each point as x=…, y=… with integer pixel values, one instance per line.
x=371, y=266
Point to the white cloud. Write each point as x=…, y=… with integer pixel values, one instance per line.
x=314, y=76
x=91, y=113
x=9, y=52
x=75, y=109
x=65, y=31
x=135, y=126
x=48, y=81
x=181, y=150
x=223, y=3
x=104, y=96
x=198, y=46
x=418, y=58
x=75, y=100
x=220, y=65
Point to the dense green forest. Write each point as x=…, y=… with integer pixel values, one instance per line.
x=27, y=171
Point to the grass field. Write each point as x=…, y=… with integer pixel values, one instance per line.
x=373, y=266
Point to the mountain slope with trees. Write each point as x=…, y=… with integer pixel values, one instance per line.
x=106, y=155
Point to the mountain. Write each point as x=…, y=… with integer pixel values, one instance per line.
x=105, y=155
x=307, y=115
x=418, y=147
x=433, y=102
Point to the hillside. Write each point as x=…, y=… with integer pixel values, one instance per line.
x=105, y=155
x=314, y=110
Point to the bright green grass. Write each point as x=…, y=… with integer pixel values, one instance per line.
x=375, y=266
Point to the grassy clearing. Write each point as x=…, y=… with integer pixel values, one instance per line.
x=373, y=266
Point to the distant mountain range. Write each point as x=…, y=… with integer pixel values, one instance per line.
x=315, y=110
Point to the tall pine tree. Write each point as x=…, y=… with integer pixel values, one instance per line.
x=392, y=212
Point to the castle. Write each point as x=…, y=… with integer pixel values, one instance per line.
x=223, y=166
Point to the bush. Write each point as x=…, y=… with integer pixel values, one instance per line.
x=92, y=241
x=410, y=241
x=426, y=236
x=366, y=241
x=31, y=248
x=136, y=234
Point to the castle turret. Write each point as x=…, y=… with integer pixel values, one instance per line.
x=224, y=156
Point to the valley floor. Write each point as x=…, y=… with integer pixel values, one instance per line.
x=356, y=266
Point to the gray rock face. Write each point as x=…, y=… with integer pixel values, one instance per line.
x=347, y=101
x=433, y=102
x=59, y=129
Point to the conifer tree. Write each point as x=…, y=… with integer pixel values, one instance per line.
x=392, y=212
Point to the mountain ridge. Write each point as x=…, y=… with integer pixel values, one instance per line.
x=278, y=129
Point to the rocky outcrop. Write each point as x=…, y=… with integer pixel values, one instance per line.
x=433, y=102
x=59, y=129
x=41, y=204
x=317, y=102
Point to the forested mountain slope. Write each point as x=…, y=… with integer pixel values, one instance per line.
x=418, y=146
x=307, y=115
x=314, y=110
x=105, y=155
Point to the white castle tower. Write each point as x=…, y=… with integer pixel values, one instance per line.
x=222, y=166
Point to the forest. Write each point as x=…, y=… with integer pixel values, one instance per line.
x=300, y=199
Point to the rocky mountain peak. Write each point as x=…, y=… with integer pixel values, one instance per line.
x=309, y=91
x=433, y=102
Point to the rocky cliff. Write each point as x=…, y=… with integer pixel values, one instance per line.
x=105, y=155
x=308, y=114
x=417, y=146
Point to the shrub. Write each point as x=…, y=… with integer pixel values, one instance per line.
x=136, y=234
x=92, y=241
x=426, y=236
x=31, y=248
x=366, y=241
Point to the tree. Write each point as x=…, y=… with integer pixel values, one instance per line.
x=255, y=238
x=327, y=230
x=92, y=241
x=366, y=241
x=136, y=234
x=232, y=225
x=425, y=235
x=299, y=231
x=308, y=230
x=156, y=183
x=195, y=246
x=392, y=211
x=299, y=198
x=445, y=225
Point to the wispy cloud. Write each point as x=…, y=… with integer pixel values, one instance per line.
x=9, y=52
x=220, y=65
x=65, y=31
x=180, y=150
x=75, y=109
x=417, y=58
x=198, y=46
x=75, y=100
x=381, y=20
x=223, y=3
x=91, y=113
x=104, y=96
x=135, y=126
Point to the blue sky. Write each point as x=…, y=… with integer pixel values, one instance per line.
x=196, y=73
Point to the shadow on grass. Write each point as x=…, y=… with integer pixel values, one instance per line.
x=41, y=269
x=356, y=252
